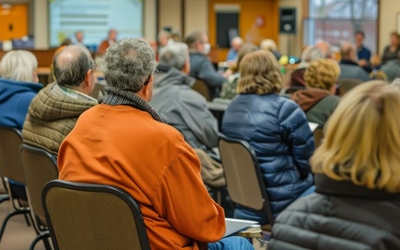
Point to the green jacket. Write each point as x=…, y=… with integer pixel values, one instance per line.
x=318, y=104
x=52, y=115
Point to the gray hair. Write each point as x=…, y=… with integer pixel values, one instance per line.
x=72, y=64
x=128, y=64
x=194, y=37
x=175, y=55
x=311, y=53
x=268, y=44
x=18, y=65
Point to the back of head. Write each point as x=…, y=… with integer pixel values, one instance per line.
x=311, y=53
x=163, y=35
x=237, y=42
x=268, y=44
x=19, y=65
x=175, y=55
x=325, y=48
x=193, y=38
x=244, y=50
x=322, y=74
x=346, y=50
x=128, y=64
x=71, y=65
x=260, y=74
x=362, y=140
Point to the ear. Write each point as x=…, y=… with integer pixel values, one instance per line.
x=186, y=68
x=89, y=78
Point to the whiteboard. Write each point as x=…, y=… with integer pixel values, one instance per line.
x=95, y=18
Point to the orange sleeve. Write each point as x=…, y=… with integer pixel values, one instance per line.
x=183, y=200
x=103, y=47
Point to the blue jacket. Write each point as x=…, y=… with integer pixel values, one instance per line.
x=15, y=98
x=277, y=130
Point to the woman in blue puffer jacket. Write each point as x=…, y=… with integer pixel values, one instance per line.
x=277, y=130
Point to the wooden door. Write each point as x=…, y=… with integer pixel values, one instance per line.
x=13, y=21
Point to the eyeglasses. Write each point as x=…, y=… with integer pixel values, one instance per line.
x=148, y=78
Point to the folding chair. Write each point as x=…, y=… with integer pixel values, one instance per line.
x=201, y=87
x=318, y=136
x=92, y=217
x=243, y=176
x=40, y=167
x=13, y=173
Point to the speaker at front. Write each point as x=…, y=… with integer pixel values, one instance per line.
x=287, y=21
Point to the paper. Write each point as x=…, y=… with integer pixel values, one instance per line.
x=313, y=126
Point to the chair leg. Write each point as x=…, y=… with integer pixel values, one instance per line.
x=43, y=236
x=11, y=214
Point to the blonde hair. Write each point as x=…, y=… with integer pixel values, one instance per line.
x=18, y=65
x=362, y=141
x=268, y=44
x=259, y=74
x=322, y=74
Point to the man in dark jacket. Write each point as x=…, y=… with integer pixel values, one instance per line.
x=348, y=65
x=200, y=66
x=186, y=110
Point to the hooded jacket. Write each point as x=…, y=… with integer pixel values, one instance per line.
x=318, y=104
x=15, y=98
x=340, y=215
x=183, y=108
x=277, y=129
x=51, y=116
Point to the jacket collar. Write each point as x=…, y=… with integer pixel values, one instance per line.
x=168, y=75
x=348, y=62
x=325, y=185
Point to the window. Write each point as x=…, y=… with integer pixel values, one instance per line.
x=337, y=20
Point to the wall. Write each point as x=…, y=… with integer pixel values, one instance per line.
x=30, y=11
x=150, y=19
x=196, y=16
x=295, y=41
x=170, y=14
x=387, y=21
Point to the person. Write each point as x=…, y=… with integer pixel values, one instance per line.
x=363, y=53
x=357, y=203
x=79, y=37
x=164, y=39
x=228, y=89
x=200, y=65
x=326, y=48
x=310, y=54
x=318, y=101
x=54, y=111
x=123, y=142
x=236, y=43
x=348, y=64
x=276, y=128
x=270, y=45
x=186, y=110
x=18, y=85
x=111, y=39
x=392, y=51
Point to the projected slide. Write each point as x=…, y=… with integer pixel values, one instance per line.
x=95, y=18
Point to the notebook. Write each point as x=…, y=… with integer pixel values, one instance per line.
x=235, y=225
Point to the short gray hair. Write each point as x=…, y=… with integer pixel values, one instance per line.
x=311, y=53
x=175, y=55
x=18, y=65
x=194, y=37
x=128, y=64
x=72, y=64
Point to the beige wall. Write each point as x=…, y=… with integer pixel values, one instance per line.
x=296, y=41
x=40, y=26
x=150, y=20
x=170, y=14
x=388, y=15
x=196, y=16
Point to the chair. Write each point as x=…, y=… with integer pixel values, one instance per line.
x=243, y=176
x=201, y=87
x=345, y=85
x=13, y=173
x=318, y=136
x=91, y=217
x=40, y=167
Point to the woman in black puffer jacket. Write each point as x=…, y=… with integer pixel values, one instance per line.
x=357, y=175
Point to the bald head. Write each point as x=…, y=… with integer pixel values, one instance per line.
x=71, y=65
x=347, y=52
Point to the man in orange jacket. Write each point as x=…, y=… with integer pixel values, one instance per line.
x=123, y=142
